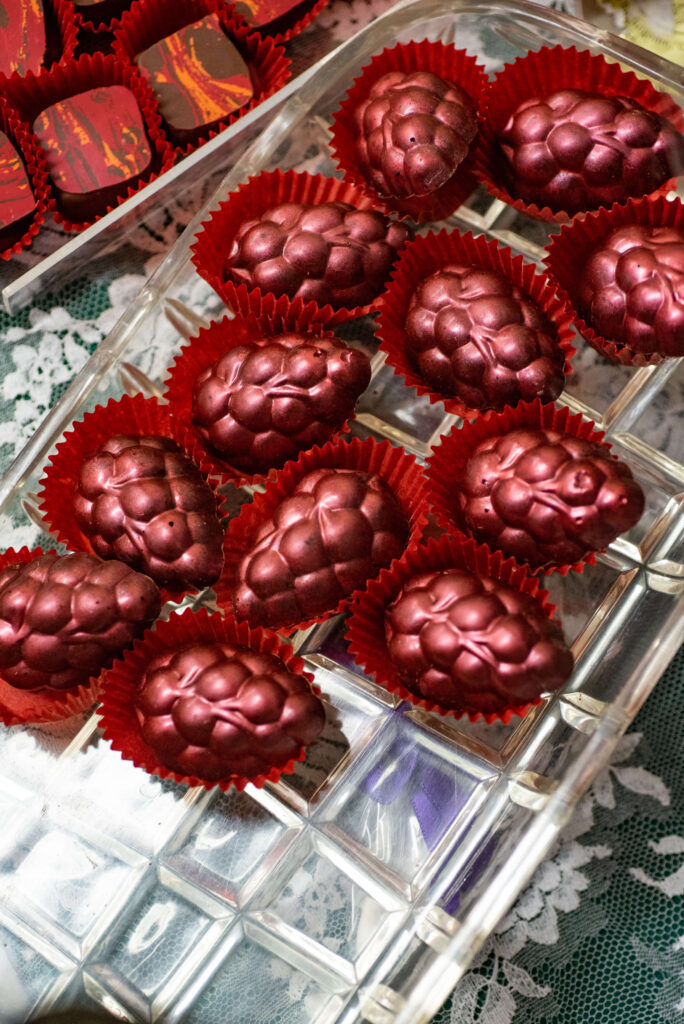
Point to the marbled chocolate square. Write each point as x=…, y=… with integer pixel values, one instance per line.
x=22, y=36
x=16, y=197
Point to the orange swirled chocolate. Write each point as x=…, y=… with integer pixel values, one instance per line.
x=22, y=36
x=198, y=77
x=16, y=198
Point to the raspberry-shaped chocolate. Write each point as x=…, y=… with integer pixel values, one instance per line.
x=265, y=402
x=216, y=710
x=326, y=539
x=473, y=335
x=144, y=501
x=63, y=618
x=547, y=498
x=576, y=151
x=632, y=289
x=330, y=253
x=470, y=643
x=414, y=129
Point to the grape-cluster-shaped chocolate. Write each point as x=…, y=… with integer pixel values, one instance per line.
x=632, y=289
x=143, y=500
x=576, y=151
x=414, y=129
x=64, y=618
x=472, y=643
x=329, y=253
x=471, y=334
x=547, y=498
x=326, y=539
x=263, y=403
x=216, y=710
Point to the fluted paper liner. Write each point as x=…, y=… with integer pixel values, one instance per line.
x=20, y=707
x=448, y=460
x=366, y=623
x=149, y=21
x=26, y=144
x=93, y=22
x=540, y=73
x=127, y=415
x=287, y=25
x=450, y=64
x=250, y=201
x=569, y=251
x=400, y=472
x=119, y=684
x=428, y=254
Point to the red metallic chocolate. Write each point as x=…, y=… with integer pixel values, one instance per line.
x=216, y=710
x=326, y=539
x=262, y=403
x=142, y=500
x=329, y=253
x=632, y=289
x=414, y=129
x=63, y=618
x=575, y=151
x=547, y=498
x=473, y=335
x=471, y=643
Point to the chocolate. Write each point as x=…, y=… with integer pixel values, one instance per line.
x=272, y=17
x=575, y=151
x=470, y=643
x=473, y=335
x=198, y=78
x=215, y=711
x=632, y=289
x=22, y=36
x=547, y=498
x=143, y=500
x=413, y=130
x=263, y=403
x=96, y=148
x=329, y=253
x=329, y=537
x=17, y=202
x=64, y=618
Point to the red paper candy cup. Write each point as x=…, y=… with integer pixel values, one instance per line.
x=117, y=714
x=279, y=28
x=26, y=145
x=19, y=707
x=100, y=18
x=366, y=623
x=540, y=73
x=136, y=416
x=400, y=472
x=449, y=64
x=250, y=201
x=428, y=254
x=569, y=251
x=149, y=21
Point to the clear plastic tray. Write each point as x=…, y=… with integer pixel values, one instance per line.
x=361, y=886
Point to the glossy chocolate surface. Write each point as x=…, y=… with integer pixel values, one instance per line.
x=471, y=643
x=329, y=253
x=217, y=710
x=22, y=36
x=16, y=197
x=575, y=151
x=473, y=335
x=263, y=403
x=326, y=539
x=632, y=289
x=142, y=500
x=63, y=618
x=197, y=76
x=414, y=129
x=547, y=498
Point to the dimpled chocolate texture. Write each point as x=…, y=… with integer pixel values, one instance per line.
x=263, y=403
x=573, y=151
x=547, y=498
x=142, y=500
x=213, y=711
x=414, y=129
x=63, y=618
x=632, y=289
x=329, y=253
x=473, y=335
x=326, y=539
x=471, y=643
